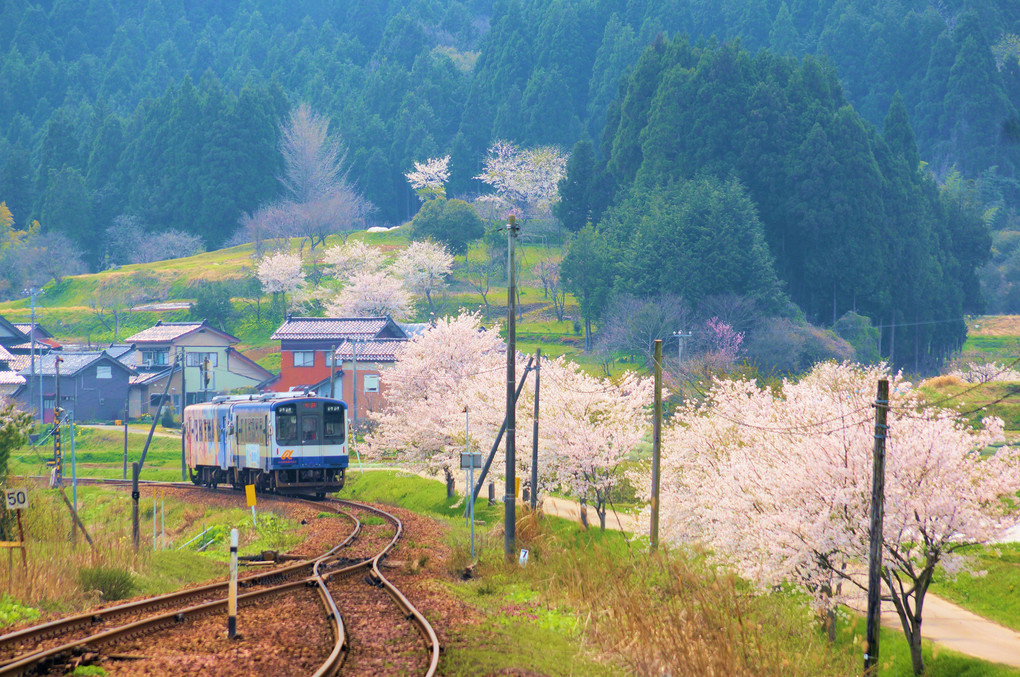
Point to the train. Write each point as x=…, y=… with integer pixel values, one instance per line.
x=286, y=443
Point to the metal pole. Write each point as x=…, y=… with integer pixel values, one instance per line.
x=31, y=378
x=162, y=521
x=232, y=599
x=332, y=373
x=354, y=386
x=509, y=494
x=74, y=472
x=534, y=433
x=134, y=504
x=155, y=418
x=471, y=477
x=656, y=446
x=184, y=403
x=125, y=446
x=155, y=521
x=875, y=549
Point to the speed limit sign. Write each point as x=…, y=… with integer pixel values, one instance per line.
x=17, y=499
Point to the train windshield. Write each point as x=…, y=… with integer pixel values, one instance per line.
x=333, y=420
x=286, y=424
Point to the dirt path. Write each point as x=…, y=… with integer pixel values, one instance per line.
x=131, y=429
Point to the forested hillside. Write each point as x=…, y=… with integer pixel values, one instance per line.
x=167, y=109
x=852, y=221
x=125, y=117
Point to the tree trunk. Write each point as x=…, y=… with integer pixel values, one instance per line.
x=587, y=333
x=449, y=483
x=584, y=513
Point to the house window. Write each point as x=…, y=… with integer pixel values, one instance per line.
x=198, y=359
x=47, y=403
x=155, y=357
x=104, y=371
x=371, y=382
x=304, y=358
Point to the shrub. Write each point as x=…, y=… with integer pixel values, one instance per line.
x=111, y=582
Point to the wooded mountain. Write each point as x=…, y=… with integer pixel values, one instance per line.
x=852, y=219
x=169, y=110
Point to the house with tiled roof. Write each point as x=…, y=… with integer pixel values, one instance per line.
x=10, y=335
x=211, y=365
x=91, y=384
x=309, y=346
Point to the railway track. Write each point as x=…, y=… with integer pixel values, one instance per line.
x=95, y=636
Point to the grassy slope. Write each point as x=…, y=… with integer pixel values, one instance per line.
x=65, y=307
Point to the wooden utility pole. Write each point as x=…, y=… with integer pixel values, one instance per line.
x=509, y=495
x=534, y=434
x=656, y=445
x=875, y=550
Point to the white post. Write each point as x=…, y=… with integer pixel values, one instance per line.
x=471, y=479
x=232, y=599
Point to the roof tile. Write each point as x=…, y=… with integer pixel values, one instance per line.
x=164, y=332
x=326, y=328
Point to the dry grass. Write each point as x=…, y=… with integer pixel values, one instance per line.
x=995, y=325
x=52, y=578
x=943, y=381
x=672, y=613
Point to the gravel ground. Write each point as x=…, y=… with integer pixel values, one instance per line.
x=289, y=634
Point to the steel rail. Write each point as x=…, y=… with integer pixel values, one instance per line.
x=409, y=610
x=20, y=663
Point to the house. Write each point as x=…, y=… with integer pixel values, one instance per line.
x=211, y=365
x=308, y=343
x=40, y=333
x=10, y=380
x=92, y=384
x=309, y=346
x=10, y=335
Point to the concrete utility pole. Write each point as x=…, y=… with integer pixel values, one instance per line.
x=656, y=446
x=534, y=435
x=680, y=336
x=875, y=549
x=509, y=495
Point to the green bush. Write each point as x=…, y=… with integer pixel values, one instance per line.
x=112, y=583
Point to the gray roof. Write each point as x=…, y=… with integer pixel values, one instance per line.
x=167, y=332
x=332, y=328
x=71, y=363
x=119, y=350
x=5, y=354
x=26, y=329
x=8, y=378
x=378, y=350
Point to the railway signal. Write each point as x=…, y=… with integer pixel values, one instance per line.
x=232, y=595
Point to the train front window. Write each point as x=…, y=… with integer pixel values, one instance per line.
x=286, y=424
x=333, y=422
x=309, y=428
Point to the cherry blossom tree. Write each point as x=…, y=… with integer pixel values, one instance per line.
x=453, y=364
x=372, y=294
x=593, y=426
x=280, y=274
x=352, y=258
x=524, y=179
x=778, y=484
x=423, y=267
x=429, y=178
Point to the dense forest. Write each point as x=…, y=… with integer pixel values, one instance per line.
x=870, y=121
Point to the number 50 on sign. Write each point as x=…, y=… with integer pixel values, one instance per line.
x=17, y=499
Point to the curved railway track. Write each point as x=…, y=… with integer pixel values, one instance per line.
x=84, y=637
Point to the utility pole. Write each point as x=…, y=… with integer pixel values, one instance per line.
x=680, y=336
x=509, y=495
x=534, y=434
x=31, y=379
x=656, y=445
x=354, y=386
x=875, y=549
x=184, y=403
x=58, y=452
x=332, y=373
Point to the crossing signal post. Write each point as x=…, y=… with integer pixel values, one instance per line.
x=58, y=453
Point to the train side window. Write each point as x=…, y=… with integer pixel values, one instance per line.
x=333, y=422
x=286, y=425
x=309, y=428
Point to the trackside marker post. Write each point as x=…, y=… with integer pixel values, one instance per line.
x=249, y=494
x=232, y=600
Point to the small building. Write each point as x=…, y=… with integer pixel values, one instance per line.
x=211, y=365
x=40, y=333
x=307, y=345
x=10, y=335
x=93, y=385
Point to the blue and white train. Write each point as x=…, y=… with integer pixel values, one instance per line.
x=280, y=442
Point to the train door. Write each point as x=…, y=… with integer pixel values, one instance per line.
x=310, y=432
x=226, y=435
